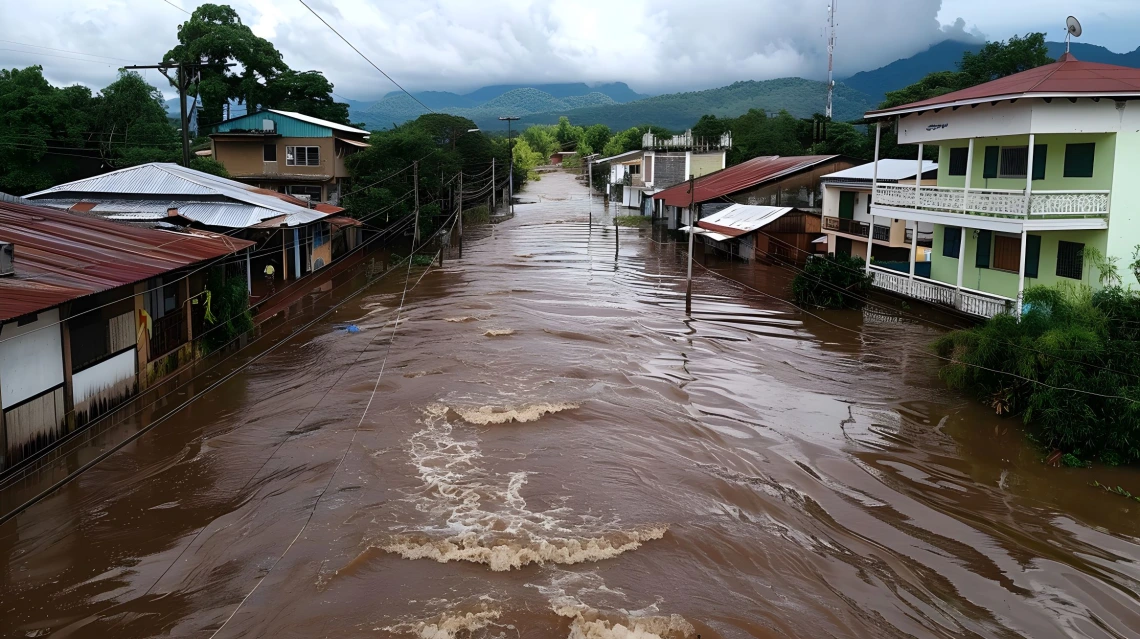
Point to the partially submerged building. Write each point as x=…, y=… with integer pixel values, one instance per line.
x=660, y=163
x=762, y=233
x=91, y=312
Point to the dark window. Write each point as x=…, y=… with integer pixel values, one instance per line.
x=1007, y=253
x=958, y=158
x=843, y=246
x=1032, y=255
x=1014, y=161
x=1070, y=260
x=847, y=205
x=951, y=241
x=269, y=153
x=312, y=192
x=990, y=170
x=1079, y=159
x=982, y=257
x=1040, y=154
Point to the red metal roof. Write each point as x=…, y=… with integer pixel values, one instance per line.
x=1067, y=76
x=737, y=178
x=61, y=256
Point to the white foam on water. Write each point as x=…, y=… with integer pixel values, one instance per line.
x=484, y=415
x=464, y=318
x=499, y=332
x=588, y=623
x=482, y=517
x=448, y=625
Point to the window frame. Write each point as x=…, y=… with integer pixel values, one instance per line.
x=1069, y=161
x=963, y=159
x=1001, y=174
x=1063, y=245
x=291, y=155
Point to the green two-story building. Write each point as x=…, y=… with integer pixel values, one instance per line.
x=1033, y=170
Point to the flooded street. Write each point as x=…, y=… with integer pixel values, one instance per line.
x=549, y=447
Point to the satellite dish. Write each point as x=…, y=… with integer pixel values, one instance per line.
x=1072, y=30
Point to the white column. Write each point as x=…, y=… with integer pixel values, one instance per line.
x=961, y=258
x=918, y=177
x=913, y=246
x=874, y=187
x=1028, y=179
x=969, y=174
x=1021, y=265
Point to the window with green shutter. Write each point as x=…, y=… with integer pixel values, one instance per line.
x=1040, y=152
x=1032, y=254
x=990, y=169
x=982, y=258
x=951, y=241
x=1070, y=260
x=1079, y=159
x=958, y=158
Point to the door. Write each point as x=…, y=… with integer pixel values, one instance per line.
x=842, y=245
x=847, y=205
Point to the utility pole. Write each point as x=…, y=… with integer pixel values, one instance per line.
x=416, y=227
x=460, y=220
x=511, y=147
x=494, y=185
x=692, y=224
x=182, y=83
x=830, y=56
x=590, y=182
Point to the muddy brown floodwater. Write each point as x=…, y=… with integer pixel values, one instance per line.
x=555, y=450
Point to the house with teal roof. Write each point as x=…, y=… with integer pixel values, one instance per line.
x=288, y=152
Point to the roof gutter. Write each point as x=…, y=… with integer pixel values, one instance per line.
x=884, y=114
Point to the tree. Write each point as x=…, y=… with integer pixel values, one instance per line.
x=527, y=158
x=995, y=60
x=628, y=140
x=596, y=137
x=307, y=92
x=211, y=166
x=41, y=130
x=567, y=134
x=215, y=34
x=541, y=140
x=130, y=123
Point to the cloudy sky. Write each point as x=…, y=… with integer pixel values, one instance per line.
x=653, y=45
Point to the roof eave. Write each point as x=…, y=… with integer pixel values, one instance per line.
x=908, y=109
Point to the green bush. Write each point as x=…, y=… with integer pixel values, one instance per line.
x=228, y=308
x=477, y=215
x=834, y=281
x=631, y=220
x=1070, y=368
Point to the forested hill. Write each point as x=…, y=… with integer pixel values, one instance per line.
x=802, y=98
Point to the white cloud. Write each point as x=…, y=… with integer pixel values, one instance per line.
x=653, y=45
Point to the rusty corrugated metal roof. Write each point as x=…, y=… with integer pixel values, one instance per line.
x=1067, y=77
x=737, y=178
x=61, y=256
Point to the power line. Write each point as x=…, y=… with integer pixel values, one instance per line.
x=52, y=55
x=426, y=107
x=36, y=46
x=177, y=7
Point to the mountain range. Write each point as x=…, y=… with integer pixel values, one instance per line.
x=619, y=107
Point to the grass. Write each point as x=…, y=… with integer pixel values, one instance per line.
x=477, y=215
x=631, y=220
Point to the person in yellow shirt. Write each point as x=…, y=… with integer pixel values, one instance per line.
x=270, y=280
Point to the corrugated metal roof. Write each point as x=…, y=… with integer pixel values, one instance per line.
x=286, y=124
x=319, y=122
x=195, y=194
x=4, y=197
x=740, y=219
x=1065, y=77
x=737, y=178
x=619, y=155
x=889, y=170
x=61, y=256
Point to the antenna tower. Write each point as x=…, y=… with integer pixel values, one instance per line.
x=830, y=56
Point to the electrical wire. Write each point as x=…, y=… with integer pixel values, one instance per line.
x=37, y=46
x=390, y=79
x=177, y=7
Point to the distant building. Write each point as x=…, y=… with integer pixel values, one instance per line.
x=288, y=152
x=558, y=157
x=662, y=163
x=763, y=181
x=90, y=313
x=848, y=224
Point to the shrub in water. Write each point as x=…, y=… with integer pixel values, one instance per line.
x=1070, y=368
x=834, y=281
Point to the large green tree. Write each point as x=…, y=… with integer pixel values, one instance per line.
x=130, y=123
x=307, y=92
x=215, y=36
x=42, y=131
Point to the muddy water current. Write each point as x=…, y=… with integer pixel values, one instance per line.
x=554, y=449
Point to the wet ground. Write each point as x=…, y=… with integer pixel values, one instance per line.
x=545, y=445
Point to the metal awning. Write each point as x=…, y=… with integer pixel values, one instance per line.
x=354, y=142
x=712, y=235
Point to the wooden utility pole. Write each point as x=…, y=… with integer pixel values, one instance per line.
x=416, y=223
x=590, y=183
x=494, y=185
x=182, y=83
x=692, y=224
x=460, y=220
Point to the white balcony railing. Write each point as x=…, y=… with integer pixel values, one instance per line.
x=977, y=303
x=995, y=202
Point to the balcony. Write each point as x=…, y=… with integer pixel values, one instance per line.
x=968, y=301
x=1000, y=203
x=846, y=226
x=881, y=233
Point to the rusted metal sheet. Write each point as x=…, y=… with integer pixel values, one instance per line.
x=737, y=178
x=61, y=256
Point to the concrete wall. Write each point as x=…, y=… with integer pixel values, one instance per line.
x=31, y=358
x=1124, y=209
x=245, y=157
x=705, y=163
